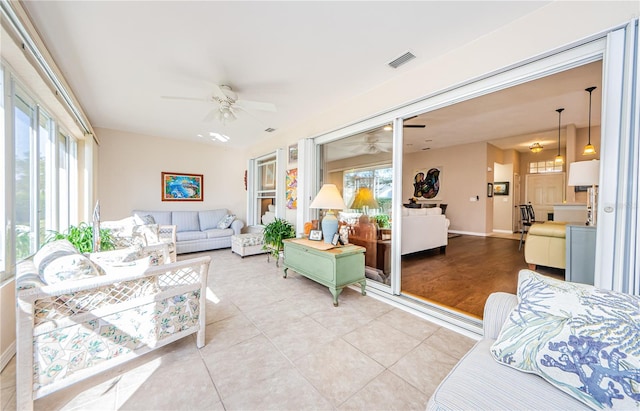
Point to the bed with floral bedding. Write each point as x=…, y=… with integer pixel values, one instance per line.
x=79, y=315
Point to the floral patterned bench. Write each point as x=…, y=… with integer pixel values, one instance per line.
x=85, y=318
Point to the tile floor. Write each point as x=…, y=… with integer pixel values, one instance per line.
x=275, y=344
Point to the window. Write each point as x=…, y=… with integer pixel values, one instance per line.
x=378, y=179
x=43, y=168
x=25, y=177
x=3, y=214
x=549, y=166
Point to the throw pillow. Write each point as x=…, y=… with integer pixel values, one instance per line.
x=581, y=339
x=226, y=221
x=144, y=219
x=69, y=267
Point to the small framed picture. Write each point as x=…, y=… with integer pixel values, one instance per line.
x=335, y=239
x=501, y=188
x=315, y=235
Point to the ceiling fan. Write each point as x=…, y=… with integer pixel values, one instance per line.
x=228, y=104
x=370, y=143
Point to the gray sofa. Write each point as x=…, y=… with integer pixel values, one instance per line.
x=196, y=230
x=479, y=382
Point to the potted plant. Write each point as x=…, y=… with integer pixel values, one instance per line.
x=274, y=232
x=81, y=237
x=382, y=220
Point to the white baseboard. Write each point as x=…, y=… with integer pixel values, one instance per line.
x=7, y=355
x=503, y=231
x=468, y=233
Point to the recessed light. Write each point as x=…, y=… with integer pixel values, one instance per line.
x=219, y=137
x=426, y=148
x=427, y=140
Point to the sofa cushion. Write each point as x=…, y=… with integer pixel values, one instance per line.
x=581, y=339
x=226, y=221
x=217, y=233
x=190, y=235
x=209, y=219
x=478, y=382
x=185, y=220
x=160, y=217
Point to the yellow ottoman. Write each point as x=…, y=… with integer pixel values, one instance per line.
x=545, y=245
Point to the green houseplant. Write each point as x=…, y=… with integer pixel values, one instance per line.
x=82, y=238
x=276, y=231
x=382, y=220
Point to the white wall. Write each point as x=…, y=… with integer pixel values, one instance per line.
x=130, y=167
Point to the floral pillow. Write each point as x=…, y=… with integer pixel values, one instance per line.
x=226, y=221
x=583, y=340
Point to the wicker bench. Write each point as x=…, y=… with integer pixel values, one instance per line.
x=77, y=327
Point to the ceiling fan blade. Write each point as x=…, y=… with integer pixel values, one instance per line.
x=218, y=93
x=213, y=115
x=186, y=98
x=414, y=126
x=256, y=105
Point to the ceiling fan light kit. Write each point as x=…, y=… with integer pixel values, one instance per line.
x=589, y=149
x=559, y=159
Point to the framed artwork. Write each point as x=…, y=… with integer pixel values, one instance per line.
x=291, y=190
x=293, y=153
x=182, y=187
x=427, y=183
x=489, y=189
x=315, y=235
x=336, y=239
x=501, y=188
x=269, y=175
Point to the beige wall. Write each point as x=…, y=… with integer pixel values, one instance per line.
x=503, y=205
x=130, y=167
x=464, y=175
x=8, y=320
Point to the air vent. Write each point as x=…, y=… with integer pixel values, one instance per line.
x=270, y=130
x=402, y=59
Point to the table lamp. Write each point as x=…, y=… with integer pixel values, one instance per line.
x=329, y=198
x=364, y=200
x=587, y=173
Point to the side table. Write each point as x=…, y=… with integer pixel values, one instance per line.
x=333, y=267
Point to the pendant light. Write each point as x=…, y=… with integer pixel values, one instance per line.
x=559, y=159
x=535, y=147
x=589, y=149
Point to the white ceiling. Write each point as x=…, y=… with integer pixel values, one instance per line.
x=120, y=57
x=513, y=118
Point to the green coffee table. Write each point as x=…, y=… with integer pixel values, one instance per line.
x=334, y=268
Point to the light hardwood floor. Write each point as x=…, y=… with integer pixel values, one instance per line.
x=470, y=270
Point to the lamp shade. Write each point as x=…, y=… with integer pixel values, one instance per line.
x=584, y=173
x=328, y=198
x=364, y=198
